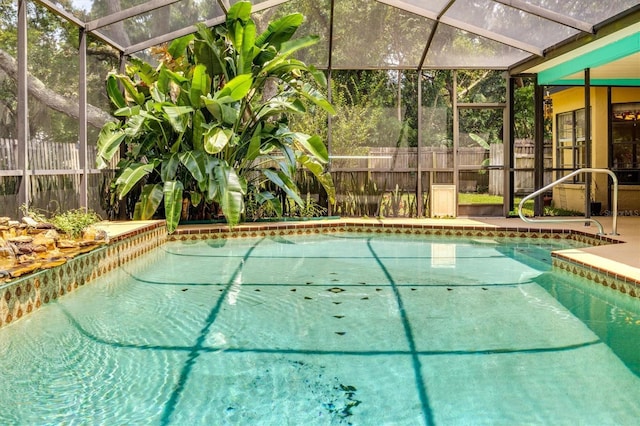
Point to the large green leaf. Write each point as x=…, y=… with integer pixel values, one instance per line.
x=114, y=92
x=242, y=33
x=267, y=197
x=178, y=116
x=200, y=85
x=321, y=175
x=132, y=90
x=135, y=125
x=163, y=82
x=312, y=144
x=172, y=203
x=150, y=199
x=196, y=198
x=278, y=105
x=176, y=77
x=237, y=88
x=213, y=187
x=178, y=46
x=314, y=95
x=283, y=181
x=231, y=193
x=143, y=71
x=280, y=30
x=169, y=167
x=197, y=131
x=291, y=46
x=241, y=11
x=216, y=139
x=156, y=94
x=127, y=111
x=479, y=140
x=254, y=145
x=109, y=141
x=207, y=53
x=131, y=176
x=221, y=111
x=195, y=162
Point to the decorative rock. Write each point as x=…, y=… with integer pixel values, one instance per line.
x=67, y=244
x=22, y=239
x=25, y=269
x=91, y=233
x=28, y=246
x=6, y=252
x=52, y=263
x=44, y=241
x=53, y=234
x=29, y=221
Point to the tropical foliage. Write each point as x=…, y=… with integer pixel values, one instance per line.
x=209, y=124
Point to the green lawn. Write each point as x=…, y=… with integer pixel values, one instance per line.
x=473, y=198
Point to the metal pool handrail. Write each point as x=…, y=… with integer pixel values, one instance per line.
x=588, y=219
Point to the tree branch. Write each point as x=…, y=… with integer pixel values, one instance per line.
x=96, y=117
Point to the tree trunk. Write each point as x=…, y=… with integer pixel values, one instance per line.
x=69, y=106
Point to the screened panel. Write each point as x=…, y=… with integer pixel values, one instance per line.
x=98, y=193
x=53, y=59
x=369, y=34
x=455, y=48
x=316, y=22
x=54, y=194
x=433, y=6
x=101, y=59
x=593, y=11
x=161, y=21
x=373, y=159
x=481, y=154
x=500, y=19
x=481, y=86
x=8, y=88
x=9, y=204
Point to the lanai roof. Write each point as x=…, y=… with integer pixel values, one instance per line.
x=516, y=35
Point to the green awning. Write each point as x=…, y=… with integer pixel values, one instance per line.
x=606, y=58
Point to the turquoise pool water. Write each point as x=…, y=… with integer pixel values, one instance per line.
x=328, y=329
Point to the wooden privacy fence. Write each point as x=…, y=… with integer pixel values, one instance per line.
x=46, y=155
x=524, y=165
x=57, y=185
x=381, y=162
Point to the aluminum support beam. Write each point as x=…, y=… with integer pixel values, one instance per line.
x=420, y=206
x=587, y=141
x=509, y=142
x=24, y=195
x=82, y=118
x=456, y=133
x=191, y=29
x=538, y=153
x=549, y=15
x=456, y=23
x=128, y=13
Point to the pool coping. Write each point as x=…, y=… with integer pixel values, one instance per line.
x=129, y=240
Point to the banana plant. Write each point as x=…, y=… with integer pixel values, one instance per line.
x=210, y=121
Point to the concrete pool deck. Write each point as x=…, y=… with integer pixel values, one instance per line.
x=621, y=259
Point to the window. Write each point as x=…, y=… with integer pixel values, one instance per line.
x=571, y=151
x=625, y=141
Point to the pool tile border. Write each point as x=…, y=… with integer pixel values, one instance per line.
x=25, y=295
x=605, y=277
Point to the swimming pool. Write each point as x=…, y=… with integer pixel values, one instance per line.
x=328, y=329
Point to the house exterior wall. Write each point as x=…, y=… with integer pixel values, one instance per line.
x=572, y=196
